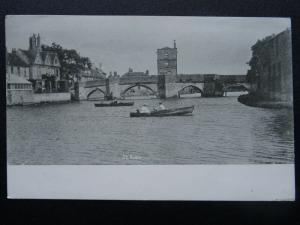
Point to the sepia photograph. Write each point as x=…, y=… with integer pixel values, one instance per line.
x=150, y=91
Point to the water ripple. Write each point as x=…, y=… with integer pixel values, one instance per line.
x=221, y=131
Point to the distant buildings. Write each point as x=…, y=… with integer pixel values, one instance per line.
x=41, y=68
x=92, y=74
x=130, y=73
x=270, y=73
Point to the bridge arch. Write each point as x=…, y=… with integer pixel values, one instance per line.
x=193, y=86
x=238, y=87
x=93, y=91
x=138, y=85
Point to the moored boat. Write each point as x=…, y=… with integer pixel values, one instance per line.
x=183, y=111
x=110, y=104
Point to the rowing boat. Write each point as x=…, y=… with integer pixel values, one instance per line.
x=110, y=104
x=166, y=112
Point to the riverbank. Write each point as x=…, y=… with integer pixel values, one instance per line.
x=38, y=99
x=255, y=101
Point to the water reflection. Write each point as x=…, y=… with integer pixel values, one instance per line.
x=278, y=129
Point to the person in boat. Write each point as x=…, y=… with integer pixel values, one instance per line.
x=160, y=107
x=144, y=109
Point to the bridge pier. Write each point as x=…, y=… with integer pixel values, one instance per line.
x=107, y=89
x=114, y=88
x=213, y=89
x=167, y=86
x=76, y=92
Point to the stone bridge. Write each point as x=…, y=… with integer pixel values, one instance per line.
x=164, y=86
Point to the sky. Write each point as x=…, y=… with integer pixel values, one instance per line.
x=220, y=45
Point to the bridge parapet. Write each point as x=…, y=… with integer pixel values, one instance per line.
x=203, y=78
x=233, y=78
x=138, y=79
x=190, y=78
x=94, y=83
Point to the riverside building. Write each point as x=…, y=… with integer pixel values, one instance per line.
x=270, y=73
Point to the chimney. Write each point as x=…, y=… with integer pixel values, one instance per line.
x=174, y=43
x=147, y=72
x=115, y=73
x=38, y=41
x=32, y=42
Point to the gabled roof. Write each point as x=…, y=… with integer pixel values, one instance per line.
x=44, y=55
x=29, y=56
x=52, y=56
x=15, y=60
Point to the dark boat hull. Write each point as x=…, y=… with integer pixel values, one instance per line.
x=114, y=104
x=167, y=112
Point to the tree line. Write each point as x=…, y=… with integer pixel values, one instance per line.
x=70, y=60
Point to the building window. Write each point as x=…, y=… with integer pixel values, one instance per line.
x=19, y=71
x=166, y=63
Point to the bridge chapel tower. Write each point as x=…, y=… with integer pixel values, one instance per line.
x=167, y=60
x=167, y=71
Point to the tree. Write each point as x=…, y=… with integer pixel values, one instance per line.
x=71, y=62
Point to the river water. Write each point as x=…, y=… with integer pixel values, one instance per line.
x=220, y=131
